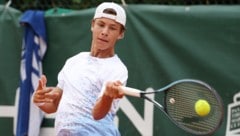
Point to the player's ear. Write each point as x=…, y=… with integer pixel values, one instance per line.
x=92, y=24
x=121, y=36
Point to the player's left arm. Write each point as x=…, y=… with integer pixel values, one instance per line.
x=104, y=103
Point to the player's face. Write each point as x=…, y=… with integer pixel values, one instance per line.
x=105, y=33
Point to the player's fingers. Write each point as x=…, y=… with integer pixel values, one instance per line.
x=109, y=89
x=44, y=80
x=116, y=91
x=40, y=94
x=44, y=96
x=44, y=91
x=118, y=83
x=38, y=98
x=44, y=100
x=40, y=85
x=120, y=92
x=52, y=95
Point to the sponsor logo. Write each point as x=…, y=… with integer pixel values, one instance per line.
x=233, y=117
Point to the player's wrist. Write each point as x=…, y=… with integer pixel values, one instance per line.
x=107, y=97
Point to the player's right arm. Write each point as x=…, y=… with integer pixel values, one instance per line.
x=47, y=98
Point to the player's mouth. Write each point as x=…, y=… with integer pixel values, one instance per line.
x=102, y=40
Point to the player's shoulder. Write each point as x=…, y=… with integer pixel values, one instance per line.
x=119, y=64
x=78, y=56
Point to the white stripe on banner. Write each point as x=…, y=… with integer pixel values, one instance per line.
x=36, y=114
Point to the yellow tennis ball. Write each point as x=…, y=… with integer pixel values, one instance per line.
x=202, y=107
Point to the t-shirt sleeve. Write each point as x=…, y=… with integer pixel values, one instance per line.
x=60, y=80
x=61, y=77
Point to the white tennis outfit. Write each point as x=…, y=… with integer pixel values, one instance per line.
x=82, y=80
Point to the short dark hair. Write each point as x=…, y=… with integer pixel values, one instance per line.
x=112, y=12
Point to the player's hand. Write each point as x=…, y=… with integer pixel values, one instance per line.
x=44, y=94
x=113, y=90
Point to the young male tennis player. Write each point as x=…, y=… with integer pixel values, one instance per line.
x=87, y=94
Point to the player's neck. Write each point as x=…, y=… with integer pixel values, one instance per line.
x=102, y=53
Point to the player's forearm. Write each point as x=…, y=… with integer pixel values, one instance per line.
x=102, y=107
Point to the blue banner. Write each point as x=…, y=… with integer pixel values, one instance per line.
x=33, y=49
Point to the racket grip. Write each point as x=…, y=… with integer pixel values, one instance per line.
x=131, y=91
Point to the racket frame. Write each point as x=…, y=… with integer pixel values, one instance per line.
x=142, y=94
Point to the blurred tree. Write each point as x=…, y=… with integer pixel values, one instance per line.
x=83, y=4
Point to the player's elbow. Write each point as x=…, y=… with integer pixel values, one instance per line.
x=96, y=116
x=98, y=113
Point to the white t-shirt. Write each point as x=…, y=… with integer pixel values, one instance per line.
x=82, y=80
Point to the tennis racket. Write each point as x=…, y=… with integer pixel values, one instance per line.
x=180, y=98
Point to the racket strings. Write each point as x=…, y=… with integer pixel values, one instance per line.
x=182, y=111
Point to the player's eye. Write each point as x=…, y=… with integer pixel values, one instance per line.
x=100, y=24
x=113, y=28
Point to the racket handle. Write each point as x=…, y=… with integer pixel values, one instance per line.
x=131, y=91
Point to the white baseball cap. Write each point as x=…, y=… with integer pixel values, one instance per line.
x=120, y=16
